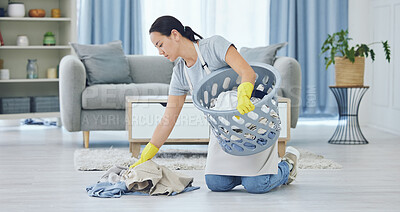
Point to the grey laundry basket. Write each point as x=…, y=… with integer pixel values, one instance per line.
x=255, y=131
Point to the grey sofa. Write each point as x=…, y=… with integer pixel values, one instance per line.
x=102, y=106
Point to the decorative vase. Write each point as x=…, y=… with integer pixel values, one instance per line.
x=32, y=69
x=51, y=73
x=22, y=40
x=16, y=9
x=4, y=74
x=55, y=13
x=349, y=74
x=49, y=39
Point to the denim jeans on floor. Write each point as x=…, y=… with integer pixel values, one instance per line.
x=256, y=184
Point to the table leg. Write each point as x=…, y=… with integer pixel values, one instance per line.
x=86, y=139
x=281, y=148
x=134, y=148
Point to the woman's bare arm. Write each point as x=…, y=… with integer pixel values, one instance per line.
x=167, y=123
x=239, y=65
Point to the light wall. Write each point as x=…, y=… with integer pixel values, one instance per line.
x=370, y=21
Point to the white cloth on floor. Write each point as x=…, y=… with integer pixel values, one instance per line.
x=148, y=177
x=221, y=163
x=113, y=175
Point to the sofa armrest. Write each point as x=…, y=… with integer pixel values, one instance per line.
x=72, y=83
x=290, y=71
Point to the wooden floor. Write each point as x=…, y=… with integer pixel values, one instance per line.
x=37, y=174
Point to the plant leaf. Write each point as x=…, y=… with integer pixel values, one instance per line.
x=350, y=54
x=386, y=47
x=362, y=50
x=371, y=51
x=328, y=64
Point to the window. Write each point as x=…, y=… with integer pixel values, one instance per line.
x=244, y=24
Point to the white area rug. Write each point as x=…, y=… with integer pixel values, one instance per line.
x=103, y=159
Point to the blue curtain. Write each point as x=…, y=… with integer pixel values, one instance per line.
x=305, y=24
x=102, y=21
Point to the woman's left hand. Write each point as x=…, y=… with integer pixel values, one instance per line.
x=244, y=94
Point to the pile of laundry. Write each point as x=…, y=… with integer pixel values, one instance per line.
x=228, y=101
x=148, y=178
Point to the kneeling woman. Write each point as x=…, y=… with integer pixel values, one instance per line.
x=258, y=173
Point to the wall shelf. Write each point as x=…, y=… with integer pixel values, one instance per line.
x=15, y=57
x=28, y=80
x=35, y=47
x=30, y=115
x=44, y=19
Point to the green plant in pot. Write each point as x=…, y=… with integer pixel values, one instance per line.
x=349, y=60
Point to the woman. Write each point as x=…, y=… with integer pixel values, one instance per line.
x=258, y=173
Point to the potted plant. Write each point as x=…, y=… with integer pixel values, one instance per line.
x=349, y=60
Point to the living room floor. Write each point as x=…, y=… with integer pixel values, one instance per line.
x=37, y=174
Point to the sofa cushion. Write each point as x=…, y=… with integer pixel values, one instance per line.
x=112, y=96
x=265, y=54
x=153, y=69
x=104, y=63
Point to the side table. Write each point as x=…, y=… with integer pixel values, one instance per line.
x=348, y=129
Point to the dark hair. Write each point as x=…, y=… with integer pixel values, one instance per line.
x=165, y=24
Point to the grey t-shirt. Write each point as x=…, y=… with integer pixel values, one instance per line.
x=213, y=50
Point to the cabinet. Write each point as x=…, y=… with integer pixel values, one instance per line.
x=16, y=57
x=143, y=114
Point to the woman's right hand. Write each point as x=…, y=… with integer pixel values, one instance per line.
x=148, y=153
x=163, y=129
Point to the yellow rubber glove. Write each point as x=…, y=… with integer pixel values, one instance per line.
x=244, y=94
x=148, y=152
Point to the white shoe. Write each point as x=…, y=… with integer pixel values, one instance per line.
x=292, y=156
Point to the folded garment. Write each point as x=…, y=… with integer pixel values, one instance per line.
x=147, y=178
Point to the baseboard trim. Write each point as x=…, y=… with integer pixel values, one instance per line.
x=383, y=129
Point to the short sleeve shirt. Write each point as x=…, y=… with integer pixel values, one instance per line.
x=213, y=50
